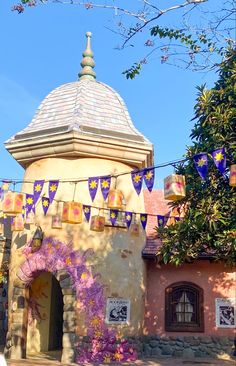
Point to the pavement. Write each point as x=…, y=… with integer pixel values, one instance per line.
x=147, y=362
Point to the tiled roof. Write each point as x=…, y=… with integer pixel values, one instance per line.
x=87, y=106
x=154, y=204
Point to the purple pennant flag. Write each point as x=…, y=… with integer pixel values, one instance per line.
x=201, y=164
x=177, y=218
x=93, y=186
x=52, y=189
x=143, y=219
x=161, y=220
x=113, y=216
x=45, y=204
x=219, y=158
x=23, y=212
x=105, y=183
x=149, y=176
x=29, y=203
x=128, y=218
x=38, y=187
x=87, y=212
x=137, y=179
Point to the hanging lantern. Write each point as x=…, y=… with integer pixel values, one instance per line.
x=174, y=187
x=30, y=219
x=97, y=223
x=115, y=199
x=134, y=229
x=56, y=222
x=1, y=228
x=12, y=203
x=17, y=223
x=232, y=176
x=72, y=212
x=37, y=240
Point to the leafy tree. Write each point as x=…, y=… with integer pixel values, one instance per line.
x=190, y=34
x=209, y=224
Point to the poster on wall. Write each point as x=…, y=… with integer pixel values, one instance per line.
x=117, y=311
x=226, y=313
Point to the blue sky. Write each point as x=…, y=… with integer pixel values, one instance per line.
x=42, y=49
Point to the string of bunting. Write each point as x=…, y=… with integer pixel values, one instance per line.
x=21, y=212
x=174, y=189
x=201, y=162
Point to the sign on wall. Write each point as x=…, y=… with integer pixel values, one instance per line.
x=117, y=311
x=226, y=313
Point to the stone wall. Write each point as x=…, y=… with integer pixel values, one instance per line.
x=184, y=346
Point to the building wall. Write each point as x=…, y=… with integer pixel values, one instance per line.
x=38, y=328
x=216, y=280
x=116, y=253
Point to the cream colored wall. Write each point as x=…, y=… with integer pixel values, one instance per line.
x=117, y=255
x=38, y=330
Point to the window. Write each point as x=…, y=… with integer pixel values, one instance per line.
x=184, y=308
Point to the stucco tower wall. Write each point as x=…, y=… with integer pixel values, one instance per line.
x=116, y=253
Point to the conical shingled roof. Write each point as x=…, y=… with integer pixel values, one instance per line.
x=85, y=118
x=86, y=105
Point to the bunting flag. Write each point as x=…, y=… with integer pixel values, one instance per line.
x=105, y=183
x=201, y=164
x=219, y=158
x=149, y=176
x=87, y=212
x=38, y=187
x=177, y=218
x=45, y=204
x=161, y=220
x=4, y=188
x=143, y=219
x=137, y=180
x=128, y=218
x=52, y=189
x=113, y=216
x=93, y=186
x=29, y=199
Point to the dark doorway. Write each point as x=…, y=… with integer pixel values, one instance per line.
x=56, y=317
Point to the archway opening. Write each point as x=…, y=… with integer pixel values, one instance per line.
x=45, y=317
x=56, y=317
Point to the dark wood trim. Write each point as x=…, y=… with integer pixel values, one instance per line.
x=172, y=326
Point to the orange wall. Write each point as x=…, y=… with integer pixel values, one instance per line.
x=216, y=280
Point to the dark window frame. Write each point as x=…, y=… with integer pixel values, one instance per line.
x=197, y=292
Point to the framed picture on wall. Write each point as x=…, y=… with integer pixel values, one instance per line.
x=117, y=311
x=225, y=313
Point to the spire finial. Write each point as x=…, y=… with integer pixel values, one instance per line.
x=87, y=62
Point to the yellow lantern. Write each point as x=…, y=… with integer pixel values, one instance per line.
x=97, y=223
x=174, y=187
x=17, y=223
x=56, y=222
x=30, y=219
x=115, y=199
x=12, y=203
x=232, y=176
x=134, y=229
x=72, y=212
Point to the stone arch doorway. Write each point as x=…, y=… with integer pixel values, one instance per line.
x=45, y=315
x=82, y=294
x=35, y=326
